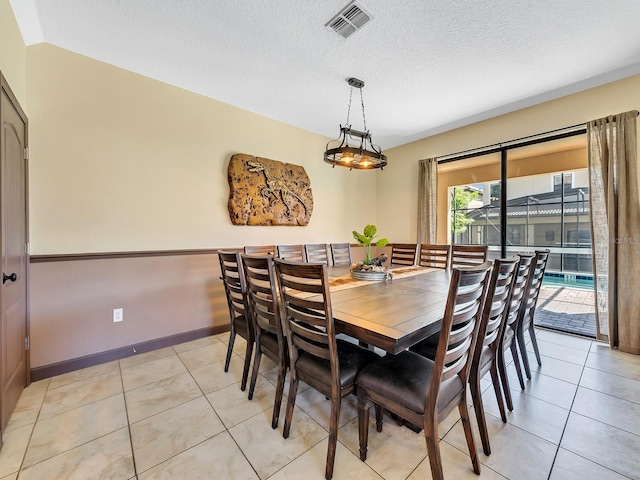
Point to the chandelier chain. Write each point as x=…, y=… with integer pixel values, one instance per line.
x=364, y=119
x=349, y=108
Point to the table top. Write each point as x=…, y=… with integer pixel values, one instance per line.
x=393, y=314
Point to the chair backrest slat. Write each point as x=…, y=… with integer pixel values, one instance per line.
x=316, y=252
x=234, y=282
x=341, y=253
x=434, y=256
x=468, y=255
x=260, y=249
x=460, y=324
x=295, y=253
x=262, y=294
x=532, y=289
x=403, y=253
x=307, y=323
x=496, y=308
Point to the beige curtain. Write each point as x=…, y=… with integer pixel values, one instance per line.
x=615, y=228
x=427, y=200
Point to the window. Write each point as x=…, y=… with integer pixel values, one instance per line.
x=495, y=193
x=559, y=179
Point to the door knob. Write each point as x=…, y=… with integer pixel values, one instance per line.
x=11, y=278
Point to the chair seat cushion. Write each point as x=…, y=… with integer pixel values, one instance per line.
x=240, y=323
x=404, y=379
x=269, y=345
x=352, y=358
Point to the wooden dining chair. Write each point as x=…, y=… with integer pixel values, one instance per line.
x=260, y=249
x=315, y=356
x=434, y=256
x=423, y=391
x=240, y=322
x=340, y=254
x=509, y=341
x=468, y=255
x=492, y=327
x=490, y=332
x=403, y=253
x=295, y=253
x=316, y=252
x=263, y=300
x=529, y=309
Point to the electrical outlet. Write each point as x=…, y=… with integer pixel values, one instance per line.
x=118, y=315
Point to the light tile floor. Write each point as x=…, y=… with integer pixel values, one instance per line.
x=174, y=414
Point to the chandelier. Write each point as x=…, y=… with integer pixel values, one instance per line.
x=363, y=154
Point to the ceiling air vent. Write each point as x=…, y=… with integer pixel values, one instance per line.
x=349, y=20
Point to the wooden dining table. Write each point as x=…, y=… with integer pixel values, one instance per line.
x=390, y=314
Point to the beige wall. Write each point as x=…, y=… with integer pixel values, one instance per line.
x=397, y=193
x=121, y=162
x=12, y=53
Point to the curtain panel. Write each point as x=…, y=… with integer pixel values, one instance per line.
x=615, y=228
x=427, y=200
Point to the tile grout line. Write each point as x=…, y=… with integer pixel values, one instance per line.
x=126, y=411
x=24, y=456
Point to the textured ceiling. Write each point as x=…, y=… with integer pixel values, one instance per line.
x=429, y=65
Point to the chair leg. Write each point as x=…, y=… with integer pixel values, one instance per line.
x=468, y=433
x=256, y=366
x=291, y=403
x=282, y=373
x=476, y=395
x=523, y=352
x=516, y=363
x=433, y=448
x=505, y=381
x=379, y=417
x=247, y=364
x=534, y=342
x=363, y=422
x=232, y=340
x=334, y=420
x=495, y=380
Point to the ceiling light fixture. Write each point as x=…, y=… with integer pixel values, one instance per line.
x=365, y=156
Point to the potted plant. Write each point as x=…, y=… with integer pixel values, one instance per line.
x=370, y=264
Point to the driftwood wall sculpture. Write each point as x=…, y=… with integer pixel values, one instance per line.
x=267, y=192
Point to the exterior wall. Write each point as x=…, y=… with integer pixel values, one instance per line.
x=398, y=184
x=13, y=53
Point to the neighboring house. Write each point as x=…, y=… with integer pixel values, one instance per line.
x=543, y=211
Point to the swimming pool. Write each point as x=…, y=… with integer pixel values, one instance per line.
x=562, y=279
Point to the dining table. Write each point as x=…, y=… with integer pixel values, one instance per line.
x=391, y=314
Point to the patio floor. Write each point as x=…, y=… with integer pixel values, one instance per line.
x=566, y=309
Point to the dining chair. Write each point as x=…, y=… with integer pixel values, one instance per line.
x=260, y=249
x=315, y=356
x=434, y=256
x=529, y=309
x=295, y=253
x=508, y=341
x=316, y=252
x=240, y=323
x=468, y=255
x=492, y=327
x=423, y=391
x=262, y=298
x=341, y=253
x=403, y=253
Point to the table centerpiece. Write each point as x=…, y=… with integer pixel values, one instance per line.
x=371, y=268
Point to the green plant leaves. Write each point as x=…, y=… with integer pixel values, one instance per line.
x=361, y=239
x=370, y=231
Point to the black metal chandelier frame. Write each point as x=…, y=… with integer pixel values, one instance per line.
x=364, y=156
